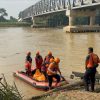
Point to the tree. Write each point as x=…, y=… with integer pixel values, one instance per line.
x=3, y=13
x=13, y=19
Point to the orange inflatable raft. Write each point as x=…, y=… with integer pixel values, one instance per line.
x=43, y=85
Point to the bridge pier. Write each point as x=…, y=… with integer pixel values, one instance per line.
x=92, y=20
x=71, y=20
x=73, y=14
x=34, y=24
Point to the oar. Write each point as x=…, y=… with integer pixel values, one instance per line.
x=64, y=79
x=0, y=79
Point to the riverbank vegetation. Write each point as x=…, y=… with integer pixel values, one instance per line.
x=14, y=24
x=8, y=92
x=11, y=22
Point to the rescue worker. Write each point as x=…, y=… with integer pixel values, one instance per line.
x=28, y=57
x=48, y=57
x=28, y=63
x=44, y=68
x=52, y=72
x=38, y=61
x=91, y=64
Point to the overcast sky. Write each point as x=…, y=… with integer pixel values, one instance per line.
x=13, y=7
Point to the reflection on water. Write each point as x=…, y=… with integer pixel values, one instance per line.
x=71, y=48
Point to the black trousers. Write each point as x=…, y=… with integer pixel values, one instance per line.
x=89, y=78
x=50, y=79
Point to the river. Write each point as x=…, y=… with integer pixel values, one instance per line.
x=71, y=48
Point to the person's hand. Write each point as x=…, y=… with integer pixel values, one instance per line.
x=60, y=73
x=55, y=72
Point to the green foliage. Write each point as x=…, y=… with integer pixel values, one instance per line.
x=8, y=92
x=12, y=19
x=2, y=15
x=14, y=24
x=3, y=12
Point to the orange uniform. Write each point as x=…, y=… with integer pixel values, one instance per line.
x=53, y=67
x=92, y=61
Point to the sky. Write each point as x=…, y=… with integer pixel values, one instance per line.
x=13, y=7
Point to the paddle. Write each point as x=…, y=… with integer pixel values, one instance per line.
x=0, y=79
x=64, y=79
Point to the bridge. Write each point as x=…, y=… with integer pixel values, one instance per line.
x=45, y=9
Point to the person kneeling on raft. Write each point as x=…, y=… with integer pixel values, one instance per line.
x=52, y=72
x=45, y=67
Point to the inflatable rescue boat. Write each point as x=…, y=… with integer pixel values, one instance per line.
x=42, y=85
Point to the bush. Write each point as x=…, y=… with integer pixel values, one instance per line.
x=8, y=92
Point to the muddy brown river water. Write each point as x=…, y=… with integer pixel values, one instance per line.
x=71, y=48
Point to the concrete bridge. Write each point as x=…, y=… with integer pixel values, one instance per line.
x=45, y=9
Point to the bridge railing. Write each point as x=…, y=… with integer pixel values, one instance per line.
x=47, y=6
x=44, y=6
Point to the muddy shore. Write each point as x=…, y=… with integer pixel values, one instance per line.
x=74, y=91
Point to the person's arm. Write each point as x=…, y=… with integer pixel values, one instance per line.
x=86, y=61
x=53, y=57
x=41, y=59
x=85, y=64
x=31, y=59
x=59, y=70
x=36, y=61
x=98, y=59
x=44, y=60
x=50, y=70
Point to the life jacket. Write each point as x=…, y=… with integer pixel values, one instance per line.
x=47, y=59
x=93, y=60
x=27, y=66
x=53, y=68
x=43, y=68
x=38, y=61
x=29, y=59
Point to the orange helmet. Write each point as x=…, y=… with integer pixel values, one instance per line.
x=51, y=60
x=37, y=53
x=49, y=53
x=57, y=60
x=28, y=53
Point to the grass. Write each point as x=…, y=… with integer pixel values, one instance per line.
x=14, y=24
x=8, y=92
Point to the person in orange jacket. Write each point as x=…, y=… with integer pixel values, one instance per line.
x=45, y=67
x=91, y=63
x=52, y=72
x=48, y=57
x=38, y=60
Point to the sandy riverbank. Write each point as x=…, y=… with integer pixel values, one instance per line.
x=74, y=95
x=77, y=93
